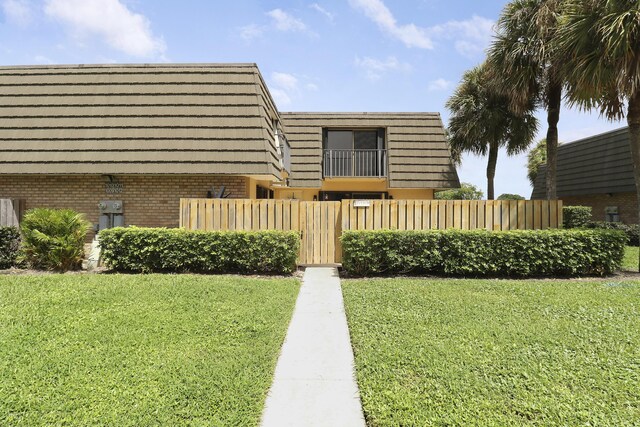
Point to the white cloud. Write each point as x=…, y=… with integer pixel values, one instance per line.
x=471, y=37
x=41, y=59
x=322, y=10
x=375, y=68
x=111, y=20
x=250, y=32
x=285, y=81
x=17, y=11
x=439, y=84
x=286, y=22
x=286, y=88
x=281, y=97
x=283, y=87
x=409, y=34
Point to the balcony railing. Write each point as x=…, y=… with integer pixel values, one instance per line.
x=355, y=163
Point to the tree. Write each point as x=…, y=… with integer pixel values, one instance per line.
x=507, y=196
x=600, y=43
x=465, y=192
x=524, y=55
x=482, y=120
x=537, y=156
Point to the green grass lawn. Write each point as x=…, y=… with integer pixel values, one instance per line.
x=496, y=353
x=630, y=261
x=139, y=350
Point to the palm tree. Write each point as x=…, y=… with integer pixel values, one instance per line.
x=523, y=53
x=600, y=43
x=482, y=120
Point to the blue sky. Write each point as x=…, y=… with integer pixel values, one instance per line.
x=350, y=55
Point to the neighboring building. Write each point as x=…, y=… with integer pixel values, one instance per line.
x=147, y=135
x=597, y=172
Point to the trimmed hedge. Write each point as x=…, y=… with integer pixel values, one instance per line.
x=9, y=246
x=576, y=216
x=483, y=253
x=146, y=250
x=632, y=230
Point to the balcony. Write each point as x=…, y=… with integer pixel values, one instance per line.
x=355, y=163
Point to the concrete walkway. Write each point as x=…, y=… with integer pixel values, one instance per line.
x=314, y=383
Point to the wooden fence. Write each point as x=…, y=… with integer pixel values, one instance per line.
x=11, y=212
x=322, y=223
x=459, y=214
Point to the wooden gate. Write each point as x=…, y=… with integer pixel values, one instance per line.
x=320, y=224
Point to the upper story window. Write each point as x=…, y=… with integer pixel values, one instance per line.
x=343, y=139
x=354, y=153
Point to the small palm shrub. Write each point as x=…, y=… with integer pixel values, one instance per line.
x=53, y=239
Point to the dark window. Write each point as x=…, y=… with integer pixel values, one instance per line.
x=263, y=193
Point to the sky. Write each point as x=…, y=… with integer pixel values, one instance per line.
x=324, y=55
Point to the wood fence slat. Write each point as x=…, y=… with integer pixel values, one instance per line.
x=521, y=214
x=537, y=212
x=553, y=214
x=368, y=212
x=473, y=214
x=544, y=215
x=488, y=215
x=513, y=215
x=505, y=217
x=193, y=214
x=417, y=215
x=457, y=214
x=316, y=232
x=560, y=214
x=376, y=208
x=353, y=217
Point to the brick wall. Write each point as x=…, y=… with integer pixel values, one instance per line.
x=150, y=201
x=626, y=202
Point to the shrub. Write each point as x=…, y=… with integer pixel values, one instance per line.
x=146, y=250
x=632, y=230
x=483, y=253
x=576, y=216
x=9, y=245
x=53, y=239
x=509, y=196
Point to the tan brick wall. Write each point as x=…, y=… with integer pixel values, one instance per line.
x=149, y=201
x=626, y=202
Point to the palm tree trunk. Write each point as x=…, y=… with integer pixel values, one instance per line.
x=554, y=97
x=491, y=169
x=633, y=119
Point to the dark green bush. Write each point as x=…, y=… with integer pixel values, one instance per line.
x=147, y=250
x=483, y=253
x=9, y=245
x=53, y=239
x=632, y=230
x=576, y=216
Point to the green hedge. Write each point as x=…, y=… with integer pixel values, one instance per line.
x=148, y=250
x=9, y=246
x=576, y=216
x=632, y=230
x=483, y=253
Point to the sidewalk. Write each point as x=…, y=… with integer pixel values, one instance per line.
x=314, y=382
